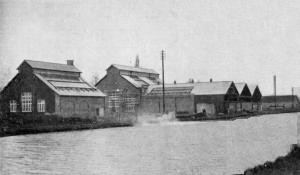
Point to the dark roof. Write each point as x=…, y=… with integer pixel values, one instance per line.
x=51, y=66
x=279, y=98
x=134, y=69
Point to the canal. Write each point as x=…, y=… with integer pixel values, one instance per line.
x=164, y=147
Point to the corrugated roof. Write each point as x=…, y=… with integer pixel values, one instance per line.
x=71, y=88
x=171, y=91
x=240, y=87
x=51, y=66
x=279, y=98
x=134, y=69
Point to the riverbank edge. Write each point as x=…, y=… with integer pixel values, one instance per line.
x=5, y=132
x=232, y=117
x=289, y=164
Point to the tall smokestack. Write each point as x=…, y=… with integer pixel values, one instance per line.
x=275, y=100
x=137, y=61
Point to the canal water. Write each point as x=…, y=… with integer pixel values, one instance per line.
x=163, y=147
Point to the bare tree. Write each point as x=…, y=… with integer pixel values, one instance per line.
x=95, y=78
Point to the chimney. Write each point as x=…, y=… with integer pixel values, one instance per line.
x=70, y=62
x=137, y=61
x=174, y=81
x=211, y=80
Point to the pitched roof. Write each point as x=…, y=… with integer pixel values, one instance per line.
x=200, y=88
x=70, y=87
x=212, y=88
x=252, y=87
x=279, y=98
x=171, y=89
x=134, y=69
x=51, y=66
x=240, y=87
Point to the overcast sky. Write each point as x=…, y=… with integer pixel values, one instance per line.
x=237, y=40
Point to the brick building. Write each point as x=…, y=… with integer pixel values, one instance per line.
x=211, y=97
x=125, y=85
x=51, y=88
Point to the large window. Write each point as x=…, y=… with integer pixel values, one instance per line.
x=41, y=105
x=26, y=99
x=13, y=106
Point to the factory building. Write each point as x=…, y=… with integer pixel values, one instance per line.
x=42, y=88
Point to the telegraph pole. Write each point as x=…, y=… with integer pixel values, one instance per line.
x=163, y=78
x=275, y=100
x=293, y=97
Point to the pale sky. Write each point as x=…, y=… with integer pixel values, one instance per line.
x=238, y=40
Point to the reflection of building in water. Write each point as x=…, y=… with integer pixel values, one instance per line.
x=43, y=87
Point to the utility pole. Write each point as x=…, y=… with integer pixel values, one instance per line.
x=275, y=98
x=163, y=78
x=293, y=97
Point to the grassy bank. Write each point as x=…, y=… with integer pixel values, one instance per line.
x=289, y=164
x=17, y=125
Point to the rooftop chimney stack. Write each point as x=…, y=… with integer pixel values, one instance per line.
x=70, y=62
x=211, y=80
x=137, y=61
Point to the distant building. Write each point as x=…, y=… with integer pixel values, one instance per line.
x=281, y=101
x=51, y=88
x=125, y=85
x=245, y=97
x=210, y=97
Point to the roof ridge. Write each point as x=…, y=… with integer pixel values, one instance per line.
x=132, y=66
x=48, y=62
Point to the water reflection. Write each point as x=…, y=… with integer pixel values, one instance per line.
x=222, y=147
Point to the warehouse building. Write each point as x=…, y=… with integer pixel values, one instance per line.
x=51, y=88
x=209, y=97
x=245, y=97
